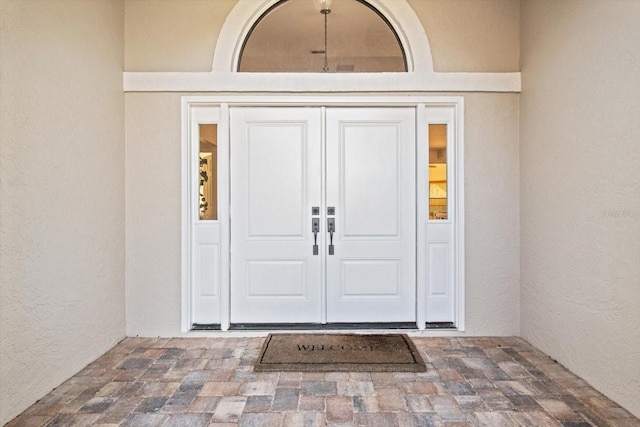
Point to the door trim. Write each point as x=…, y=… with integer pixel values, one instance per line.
x=215, y=109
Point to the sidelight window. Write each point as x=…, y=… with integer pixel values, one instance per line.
x=438, y=172
x=208, y=172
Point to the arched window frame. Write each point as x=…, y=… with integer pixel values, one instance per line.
x=244, y=16
x=279, y=3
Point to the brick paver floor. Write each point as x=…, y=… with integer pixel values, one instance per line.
x=210, y=382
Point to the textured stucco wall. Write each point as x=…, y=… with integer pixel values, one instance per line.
x=472, y=36
x=173, y=35
x=180, y=35
x=580, y=189
x=492, y=213
x=153, y=213
x=153, y=138
x=61, y=192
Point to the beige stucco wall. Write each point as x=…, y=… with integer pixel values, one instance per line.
x=580, y=184
x=153, y=138
x=173, y=35
x=153, y=213
x=472, y=36
x=492, y=213
x=180, y=35
x=61, y=192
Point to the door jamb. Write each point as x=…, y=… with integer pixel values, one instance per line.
x=224, y=102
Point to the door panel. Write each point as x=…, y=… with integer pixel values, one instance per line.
x=369, y=157
x=277, y=177
x=276, y=194
x=371, y=183
x=275, y=180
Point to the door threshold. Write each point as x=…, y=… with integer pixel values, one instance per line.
x=444, y=326
x=441, y=325
x=206, y=327
x=319, y=326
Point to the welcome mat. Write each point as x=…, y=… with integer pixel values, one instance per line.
x=339, y=353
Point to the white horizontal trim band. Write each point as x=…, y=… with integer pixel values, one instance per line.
x=319, y=82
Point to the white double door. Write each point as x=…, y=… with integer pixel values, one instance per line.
x=292, y=168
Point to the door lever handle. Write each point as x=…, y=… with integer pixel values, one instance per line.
x=315, y=228
x=331, y=228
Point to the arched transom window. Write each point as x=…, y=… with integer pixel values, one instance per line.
x=315, y=36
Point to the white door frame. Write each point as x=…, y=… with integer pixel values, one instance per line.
x=199, y=236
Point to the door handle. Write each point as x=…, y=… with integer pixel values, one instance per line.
x=315, y=228
x=331, y=228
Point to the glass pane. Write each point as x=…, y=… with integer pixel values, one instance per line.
x=208, y=188
x=291, y=38
x=437, y=171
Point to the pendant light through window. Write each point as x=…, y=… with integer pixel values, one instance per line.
x=324, y=7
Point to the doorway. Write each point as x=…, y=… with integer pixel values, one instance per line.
x=323, y=214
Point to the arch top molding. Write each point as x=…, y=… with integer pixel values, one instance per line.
x=400, y=15
x=223, y=77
